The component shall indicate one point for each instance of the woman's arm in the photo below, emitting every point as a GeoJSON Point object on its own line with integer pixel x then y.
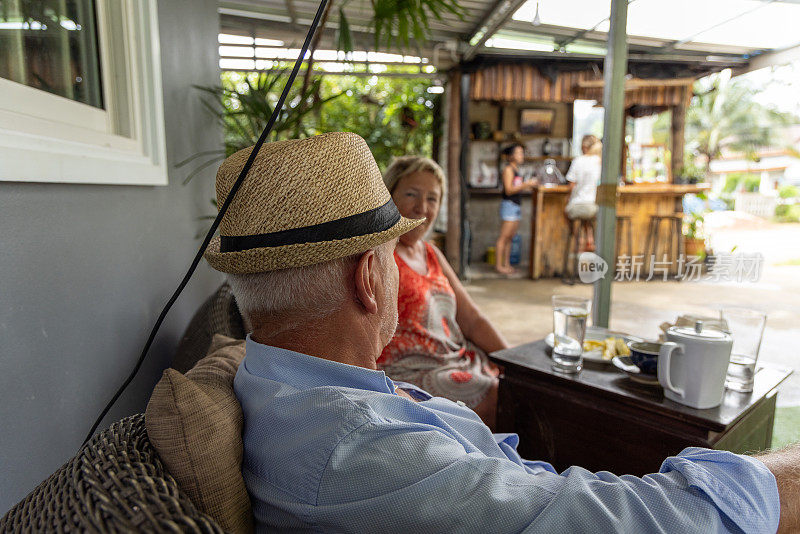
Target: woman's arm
{"type": "Point", "coordinates": [473, 323]}
{"type": "Point", "coordinates": [574, 171]}
{"type": "Point", "coordinates": [508, 182]}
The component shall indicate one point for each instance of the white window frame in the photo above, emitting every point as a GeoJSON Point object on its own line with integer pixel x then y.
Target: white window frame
{"type": "Point", "coordinates": [49, 138]}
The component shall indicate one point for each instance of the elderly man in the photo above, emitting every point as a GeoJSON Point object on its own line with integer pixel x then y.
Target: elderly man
{"type": "Point", "coordinates": [333, 445]}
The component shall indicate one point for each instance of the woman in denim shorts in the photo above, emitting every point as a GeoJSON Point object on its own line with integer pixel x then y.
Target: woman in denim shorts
{"type": "Point", "coordinates": [510, 209]}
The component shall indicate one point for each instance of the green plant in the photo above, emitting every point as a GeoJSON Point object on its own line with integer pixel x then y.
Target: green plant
{"type": "Point", "coordinates": [787, 213]}
{"type": "Point", "coordinates": [394, 115]}
{"type": "Point", "coordinates": [694, 226]}
{"type": "Point", "coordinates": [393, 21]}
{"type": "Point", "coordinates": [400, 21]}
{"type": "Point", "coordinates": [244, 103]}
{"type": "Point", "coordinates": [691, 172]}
{"type": "Point", "coordinates": [730, 202]}
{"type": "Point", "coordinates": [725, 115]}
{"type": "Point", "coordinates": [788, 191]}
{"type": "Point", "coordinates": [731, 182]}
{"type": "Point", "coordinates": [752, 184]}
{"type": "Point", "coordinates": [747, 181]}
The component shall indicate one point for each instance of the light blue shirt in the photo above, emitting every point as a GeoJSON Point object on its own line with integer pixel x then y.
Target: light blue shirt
{"type": "Point", "coordinates": [330, 447]}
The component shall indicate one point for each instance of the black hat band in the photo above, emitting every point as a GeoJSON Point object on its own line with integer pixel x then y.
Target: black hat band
{"type": "Point", "coordinates": [369, 222]}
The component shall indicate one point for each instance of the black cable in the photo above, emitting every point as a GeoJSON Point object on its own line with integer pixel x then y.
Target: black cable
{"type": "Point", "coordinates": [215, 225]}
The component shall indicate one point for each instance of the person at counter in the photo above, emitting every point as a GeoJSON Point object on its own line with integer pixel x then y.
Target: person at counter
{"type": "Point", "coordinates": [510, 210]}
{"type": "Point", "coordinates": [583, 176]}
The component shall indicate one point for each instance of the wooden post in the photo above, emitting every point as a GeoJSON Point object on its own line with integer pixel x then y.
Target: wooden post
{"type": "Point", "coordinates": [463, 254]}
{"type": "Point", "coordinates": [453, 240]}
{"type": "Point", "coordinates": [17, 67]}
{"type": "Point", "coordinates": [677, 136]}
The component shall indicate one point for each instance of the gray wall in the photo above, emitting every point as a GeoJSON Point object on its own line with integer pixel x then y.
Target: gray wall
{"type": "Point", "coordinates": [84, 271]}
{"type": "Point", "coordinates": [483, 213]}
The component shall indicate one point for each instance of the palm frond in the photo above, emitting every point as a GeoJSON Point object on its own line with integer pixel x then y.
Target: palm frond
{"type": "Point", "coordinates": [344, 39]}
{"type": "Point", "coordinates": [202, 167]}
{"type": "Point", "coordinates": [198, 155]}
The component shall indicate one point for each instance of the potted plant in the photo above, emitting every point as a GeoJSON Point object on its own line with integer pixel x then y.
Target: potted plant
{"type": "Point", "coordinates": [694, 241]}
{"type": "Point", "coordinates": [690, 173]}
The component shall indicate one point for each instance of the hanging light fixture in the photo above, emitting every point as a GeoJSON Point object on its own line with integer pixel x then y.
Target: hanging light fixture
{"type": "Point", "coordinates": [536, 20]}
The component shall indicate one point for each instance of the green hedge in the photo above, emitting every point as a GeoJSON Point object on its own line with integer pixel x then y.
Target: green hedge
{"type": "Point", "coordinates": [749, 182]}
{"type": "Point", "coordinates": [787, 213]}
{"type": "Point", "coordinates": [788, 191]}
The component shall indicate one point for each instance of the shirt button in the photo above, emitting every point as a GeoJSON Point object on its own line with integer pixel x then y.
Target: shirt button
{"type": "Point", "coordinates": [461, 403]}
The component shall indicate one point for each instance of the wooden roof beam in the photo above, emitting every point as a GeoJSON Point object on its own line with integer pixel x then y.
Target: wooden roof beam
{"type": "Point", "coordinates": [636, 83]}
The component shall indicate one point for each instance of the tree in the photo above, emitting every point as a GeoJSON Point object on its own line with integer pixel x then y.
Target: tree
{"type": "Point", "coordinates": [244, 103]}
{"type": "Point", "coordinates": [394, 115]}
{"type": "Point", "coordinates": [724, 115]}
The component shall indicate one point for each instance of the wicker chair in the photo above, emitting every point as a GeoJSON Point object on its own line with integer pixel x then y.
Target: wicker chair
{"type": "Point", "coordinates": [219, 314]}
{"type": "Point", "coordinates": [116, 483]}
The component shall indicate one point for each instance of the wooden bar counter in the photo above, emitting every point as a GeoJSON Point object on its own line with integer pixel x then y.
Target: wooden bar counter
{"type": "Point", "coordinates": [550, 226]}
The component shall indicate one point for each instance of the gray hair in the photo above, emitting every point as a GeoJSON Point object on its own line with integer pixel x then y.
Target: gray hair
{"type": "Point", "coordinates": [300, 294]}
{"type": "Point", "coordinates": [407, 165]}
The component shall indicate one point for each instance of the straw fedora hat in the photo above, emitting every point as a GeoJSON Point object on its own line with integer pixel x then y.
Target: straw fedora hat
{"type": "Point", "coordinates": [304, 201]}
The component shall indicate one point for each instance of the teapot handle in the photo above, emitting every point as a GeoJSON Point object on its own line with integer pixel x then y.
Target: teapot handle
{"type": "Point", "coordinates": [664, 357]}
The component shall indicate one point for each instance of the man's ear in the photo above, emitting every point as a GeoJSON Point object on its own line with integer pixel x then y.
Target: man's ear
{"type": "Point", "coordinates": [365, 278]}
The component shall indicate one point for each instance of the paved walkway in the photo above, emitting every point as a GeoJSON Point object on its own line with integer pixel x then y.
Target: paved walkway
{"type": "Point", "coordinates": [521, 307]}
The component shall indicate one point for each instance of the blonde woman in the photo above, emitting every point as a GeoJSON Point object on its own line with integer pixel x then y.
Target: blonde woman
{"type": "Point", "coordinates": [442, 337]}
{"type": "Point", "coordinates": [584, 175]}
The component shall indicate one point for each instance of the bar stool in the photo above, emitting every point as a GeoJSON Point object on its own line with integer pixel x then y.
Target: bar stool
{"type": "Point", "coordinates": [676, 242]}
{"type": "Point", "coordinates": [624, 227]}
{"type": "Point", "coordinates": [576, 231]}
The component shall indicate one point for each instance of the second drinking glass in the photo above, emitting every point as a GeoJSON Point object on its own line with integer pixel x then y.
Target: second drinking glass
{"type": "Point", "coordinates": [570, 315]}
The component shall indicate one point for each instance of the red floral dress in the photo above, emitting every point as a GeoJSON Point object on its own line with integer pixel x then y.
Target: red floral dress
{"type": "Point", "coordinates": [428, 348]}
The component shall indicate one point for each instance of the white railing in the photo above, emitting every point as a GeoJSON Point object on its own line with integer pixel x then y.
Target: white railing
{"type": "Point", "coordinates": [756, 204]}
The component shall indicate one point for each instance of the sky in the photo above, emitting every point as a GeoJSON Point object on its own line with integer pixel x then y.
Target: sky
{"type": "Point", "coordinates": [746, 23]}
{"type": "Point", "coordinates": [779, 86]}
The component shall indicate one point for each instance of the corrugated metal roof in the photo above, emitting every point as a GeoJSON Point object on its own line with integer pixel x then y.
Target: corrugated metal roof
{"type": "Point", "coordinates": [288, 20]}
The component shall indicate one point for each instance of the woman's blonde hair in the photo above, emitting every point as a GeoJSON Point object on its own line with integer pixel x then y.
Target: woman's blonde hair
{"type": "Point", "coordinates": [591, 145]}
{"type": "Point", "coordinates": [407, 165]}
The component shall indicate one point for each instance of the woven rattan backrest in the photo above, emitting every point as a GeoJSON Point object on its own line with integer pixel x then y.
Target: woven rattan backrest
{"type": "Point", "coordinates": [116, 483]}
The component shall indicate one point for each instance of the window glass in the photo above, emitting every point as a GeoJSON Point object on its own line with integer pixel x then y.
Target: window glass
{"type": "Point", "coordinates": [51, 45]}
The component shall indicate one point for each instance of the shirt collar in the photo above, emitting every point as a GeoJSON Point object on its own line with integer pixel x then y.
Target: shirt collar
{"type": "Point", "coordinates": [304, 372]}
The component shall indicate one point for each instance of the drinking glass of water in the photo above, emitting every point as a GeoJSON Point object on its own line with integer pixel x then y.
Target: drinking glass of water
{"type": "Point", "coordinates": [747, 327]}
{"type": "Point", "coordinates": [569, 326]}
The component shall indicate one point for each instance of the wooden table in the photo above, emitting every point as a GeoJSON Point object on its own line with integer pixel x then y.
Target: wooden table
{"type": "Point", "coordinates": [550, 229]}
{"type": "Point", "coordinates": [601, 420]}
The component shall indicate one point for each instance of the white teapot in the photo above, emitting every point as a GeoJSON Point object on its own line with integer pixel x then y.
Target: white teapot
{"type": "Point", "coordinates": [692, 365]}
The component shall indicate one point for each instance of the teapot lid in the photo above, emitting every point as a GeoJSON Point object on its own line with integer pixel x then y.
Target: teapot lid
{"type": "Point", "coordinates": [699, 332]}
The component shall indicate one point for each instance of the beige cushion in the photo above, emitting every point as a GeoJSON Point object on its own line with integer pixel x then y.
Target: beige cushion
{"type": "Point", "coordinates": [195, 424]}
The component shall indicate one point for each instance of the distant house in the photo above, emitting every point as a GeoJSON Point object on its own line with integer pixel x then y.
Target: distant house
{"type": "Point", "coordinates": [774, 166]}
{"type": "Point", "coordinates": [770, 165]}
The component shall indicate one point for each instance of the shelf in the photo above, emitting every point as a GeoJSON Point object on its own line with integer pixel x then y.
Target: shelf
{"type": "Point", "coordinates": [542, 158]}
{"type": "Point", "coordinates": [492, 191]}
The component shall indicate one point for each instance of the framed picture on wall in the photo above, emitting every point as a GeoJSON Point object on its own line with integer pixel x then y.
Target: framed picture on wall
{"type": "Point", "coordinates": [483, 161]}
{"type": "Point", "coordinates": [536, 121]}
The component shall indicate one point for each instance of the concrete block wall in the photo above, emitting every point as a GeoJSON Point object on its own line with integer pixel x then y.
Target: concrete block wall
{"type": "Point", "coordinates": [483, 214]}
